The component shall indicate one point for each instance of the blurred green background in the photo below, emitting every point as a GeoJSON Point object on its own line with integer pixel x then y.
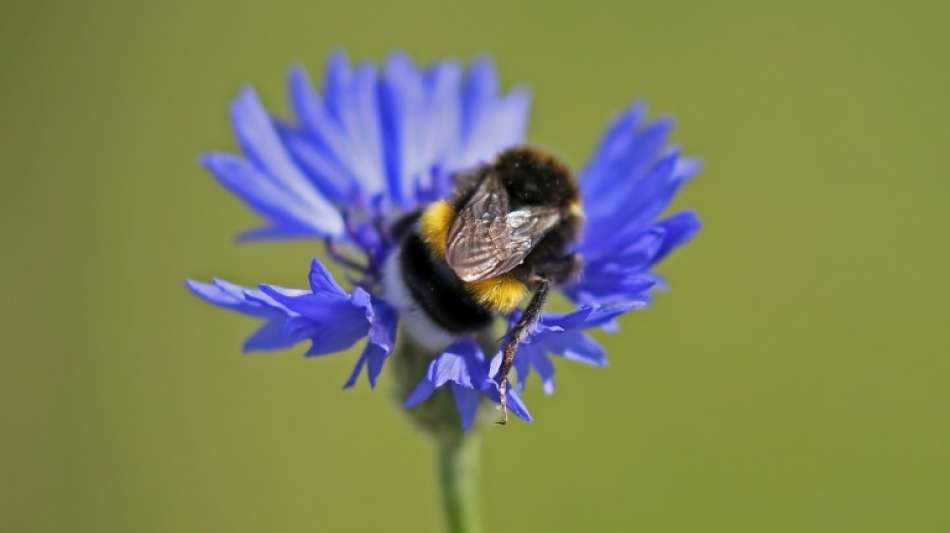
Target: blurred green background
{"type": "Point", "coordinates": [795, 379]}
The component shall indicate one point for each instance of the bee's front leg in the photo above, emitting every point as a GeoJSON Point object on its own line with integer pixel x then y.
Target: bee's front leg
{"type": "Point", "coordinates": [517, 334]}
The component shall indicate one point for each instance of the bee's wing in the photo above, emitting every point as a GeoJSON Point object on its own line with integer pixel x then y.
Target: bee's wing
{"type": "Point", "coordinates": [486, 240]}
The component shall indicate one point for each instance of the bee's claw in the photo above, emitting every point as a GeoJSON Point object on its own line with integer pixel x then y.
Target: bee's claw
{"type": "Point", "coordinates": [503, 401]}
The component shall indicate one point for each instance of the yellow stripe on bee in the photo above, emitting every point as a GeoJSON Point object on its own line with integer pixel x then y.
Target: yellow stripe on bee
{"type": "Point", "coordinates": [576, 209]}
{"type": "Point", "coordinates": [501, 293]}
{"type": "Point", "coordinates": [434, 226]}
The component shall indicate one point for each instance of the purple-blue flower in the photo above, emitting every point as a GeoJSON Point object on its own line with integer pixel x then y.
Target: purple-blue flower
{"type": "Point", "coordinates": [627, 184]}
{"type": "Point", "coordinates": [563, 335]}
{"type": "Point", "coordinates": [464, 368]}
{"type": "Point", "coordinates": [375, 143]}
{"type": "Point", "coordinates": [332, 319]}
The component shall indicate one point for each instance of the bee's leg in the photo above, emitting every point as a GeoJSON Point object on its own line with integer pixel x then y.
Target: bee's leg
{"type": "Point", "coordinates": [518, 333]}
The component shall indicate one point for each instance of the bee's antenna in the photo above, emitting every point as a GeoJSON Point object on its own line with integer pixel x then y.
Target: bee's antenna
{"type": "Point", "coordinates": [518, 333]}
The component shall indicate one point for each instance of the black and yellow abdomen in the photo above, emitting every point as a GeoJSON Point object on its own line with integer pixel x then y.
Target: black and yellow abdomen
{"type": "Point", "coordinates": [453, 304]}
{"type": "Point", "coordinates": [526, 179]}
{"type": "Point", "coordinates": [500, 294]}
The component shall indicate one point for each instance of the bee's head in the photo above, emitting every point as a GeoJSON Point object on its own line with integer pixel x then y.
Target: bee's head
{"type": "Point", "coordinates": [534, 177]}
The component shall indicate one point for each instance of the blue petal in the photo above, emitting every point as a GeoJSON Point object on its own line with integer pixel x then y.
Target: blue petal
{"type": "Point", "coordinates": [329, 339]}
{"type": "Point", "coordinates": [263, 146]}
{"type": "Point", "coordinates": [322, 168]}
{"type": "Point", "coordinates": [321, 307]}
{"type": "Point", "coordinates": [545, 369]}
{"type": "Point", "coordinates": [576, 346]}
{"type": "Point", "coordinates": [402, 109]}
{"type": "Point", "coordinates": [333, 325]}
{"type": "Point", "coordinates": [658, 188]}
{"type": "Point", "coordinates": [352, 100]}
{"type": "Point", "coordinates": [522, 363]}
{"type": "Point", "coordinates": [633, 203]}
{"type": "Point", "coordinates": [463, 366]}
{"type": "Point", "coordinates": [459, 364]}
{"type": "Point", "coordinates": [364, 124]}
{"type": "Point", "coordinates": [442, 132]}
{"type": "Point", "coordinates": [489, 124]}
{"type": "Point", "coordinates": [324, 131]}
{"type": "Point", "coordinates": [226, 296]}
{"type": "Point", "coordinates": [331, 318]}
{"type": "Point", "coordinates": [606, 283]}
{"type": "Point", "coordinates": [381, 339]}
{"type": "Point", "coordinates": [641, 248]}
{"type": "Point", "coordinates": [562, 335]}
{"type": "Point", "coordinates": [600, 246]}
{"type": "Point", "coordinates": [611, 177]}
{"type": "Point", "coordinates": [455, 364]}
{"type": "Point", "coordinates": [480, 90]}
{"type": "Point", "coordinates": [628, 182]}
{"type": "Point", "coordinates": [337, 83]}
{"type": "Point", "coordinates": [501, 126]}
{"type": "Point", "coordinates": [421, 393]}
{"type": "Point", "coordinates": [495, 364]}
{"type": "Point", "coordinates": [357, 370]}
{"type": "Point", "coordinates": [679, 228]}
{"type": "Point", "coordinates": [517, 406]}
{"type": "Point", "coordinates": [322, 282]}
{"type": "Point", "coordinates": [586, 316]}
{"type": "Point", "coordinates": [274, 233]}
{"type": "Point", "coordinates": [273, 334]}
{"type": "Point", "coordinates": [248, 301]}
{"type": "Point", "coordinates": [466, 402]}
{"type": "Point", "coordinates": [309, 109]}
{"type": "Point", "coordinates": [596, 176]}
{"type": "Point", "coordinates": [397, 135]}
{"type": "Point", "coordinates": [258, 191]}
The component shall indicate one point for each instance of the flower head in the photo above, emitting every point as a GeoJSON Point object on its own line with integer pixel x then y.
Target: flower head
{"type": "Point", "coordinates": [463, 367]}
{"type": "Point", "coordinates": [379, 143]}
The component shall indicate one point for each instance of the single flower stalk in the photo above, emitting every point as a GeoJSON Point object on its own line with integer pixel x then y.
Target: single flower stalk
{"type": "Point", "coordinates": [380, 155]}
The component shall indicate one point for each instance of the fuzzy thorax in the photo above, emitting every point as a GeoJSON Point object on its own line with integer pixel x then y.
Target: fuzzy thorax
{"type": "Point", "coordinates": [501, 293]}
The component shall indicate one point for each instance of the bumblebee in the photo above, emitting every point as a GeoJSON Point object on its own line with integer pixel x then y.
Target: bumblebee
{"type": "Point", "coordinates": [505, 231]}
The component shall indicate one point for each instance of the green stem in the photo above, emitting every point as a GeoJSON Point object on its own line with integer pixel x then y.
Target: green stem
{"type": "Point", "coordinates": [458, 468]}
{"type": "Point", "coordinates": [457, 451]}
